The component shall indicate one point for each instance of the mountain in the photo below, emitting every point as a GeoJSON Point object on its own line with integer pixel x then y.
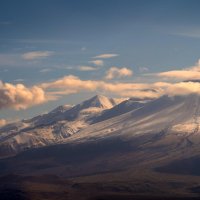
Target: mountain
{"type": "Point", "coordinates": [121, 108]}
{"type": "Point", "coordinates": [132, 150]}
{"type": "Point", "coordinates": [101, 117]}
{"type": "Point", "coordinates": [53, 127]}
{"type": "Point", "coordinates": [170, 116]}
{"type": "Point", "coordinates": [91, 106]}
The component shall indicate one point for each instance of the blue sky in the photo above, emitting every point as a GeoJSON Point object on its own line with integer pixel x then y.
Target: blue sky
{"type": "Point", "coordinates": [43, 41]}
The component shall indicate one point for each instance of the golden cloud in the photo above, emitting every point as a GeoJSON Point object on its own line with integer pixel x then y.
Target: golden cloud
{"type": "Point", "coordinates": [19, 96]}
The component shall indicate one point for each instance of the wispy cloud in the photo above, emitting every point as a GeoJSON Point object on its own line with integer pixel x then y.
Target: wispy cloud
{"type": "Point", "coordinates": [97, 62]}
{"type": "Point", "coordinates": [19, 80]}
{"type": "Point", "coordinates": [45, 70]}
{"type": "Point", "coordinates": [87, 68]}
{"type": "Point", "coordinates": [180, 74]}
{"type": "Point", "coordinates": [189, 73]}
{"type": "Point", "coordinates": [83, 48]}
{"type": "Point", "coordinates": [32, 55]}
{"type": "Point", "coordinates": [104, 56]}
{"type": "Point", "coordinates": [187, 32]}
{"type": "Point", "coordinates": [115, 72]}
{"type": "Point", "coordinates": [143, 69]}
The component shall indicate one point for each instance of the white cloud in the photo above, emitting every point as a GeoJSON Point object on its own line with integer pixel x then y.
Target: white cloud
{"type": "Point", "coordinates": [115, 72]}
{"type": "Point", "coordinates": [180, 74]}
{"type": "Point", "coordinates": [190, 73]}
{"type": "Point", "coordinates": [72, 84]}
{"type": "Point", "coordinates": [21, 97]}
{"type": "Point", "coordinates": [103, 56]}
{"type": "Point", "coordinates": [97, 62]}
{"type": "Point", "coordinates": [32, 55]}
{"type": "Point", "coordinates": [87, 68]}
{"type": "Point", "coordinates": [45, 70]}
{"type": "Point", "coordinates": [19, 80]}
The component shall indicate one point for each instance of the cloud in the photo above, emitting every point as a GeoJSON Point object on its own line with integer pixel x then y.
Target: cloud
{"type": "Point", "coordinates": [104, 56]}
{"type": "Point", "coordinates": [97, 62]}
{"type": "Point", "coordinates": [189, 73]}
{"type": "Point", "coordinates": [183, 88]}
{"type": "Point", "coordinates": [180, 74]}
{"type": "Point", "coordinates": [3, 122]}
{"type": "Point", "coordinates": [87, 68]}
{"type": "Point", "coordinates": [5, 23]}
{"type": "Point", "coordinates": [19, 96]}
{"type": "Point", "coordinates": [143, 69]}
{"type": "Point", "coordinates": [115, 72]}
{"type": "Point", "coordinates": [19, 80]}
{"type": "Point", "coordinates": [196, 67]}
{"type": "Point", "coordinates": [32, 55]}
{"type": "Point", "coordinates": [72, 84]}
{"type": "Point", "coordinates": [45, 70]}
{"type": "Point", "coordinates": [83, 48]}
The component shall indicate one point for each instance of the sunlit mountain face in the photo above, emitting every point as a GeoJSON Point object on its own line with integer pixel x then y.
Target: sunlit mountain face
{"type": "Point", "coordinates": [99, 100]}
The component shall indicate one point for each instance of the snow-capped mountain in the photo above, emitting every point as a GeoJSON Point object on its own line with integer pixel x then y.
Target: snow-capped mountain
{"type": "Point", "coordinates": [101, 117]}
{"type": "Point", "coordinates": [169, 116]}
{"type": "Point", "coordinates": [136, 140]}
{"type": "Point", "coordinates": [54, 126]}
{"type": "Point", "coordinates": [121, 108]}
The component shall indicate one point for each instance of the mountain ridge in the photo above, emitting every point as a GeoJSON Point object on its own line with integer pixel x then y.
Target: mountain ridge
{"type": "Point", "coordinates": [99, 118]}
{"type": "Point", "coordinates": [53, 127]}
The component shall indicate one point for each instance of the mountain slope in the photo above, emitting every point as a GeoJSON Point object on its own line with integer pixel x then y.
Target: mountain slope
{"type": "Point", "coordinates": [52, 127]}
{"type": "Point", "coordinates": [92, 120]}
{"type": "Point", "coordinates": [168, 114]}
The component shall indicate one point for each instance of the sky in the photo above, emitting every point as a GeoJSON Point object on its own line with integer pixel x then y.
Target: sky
{"type": "Point", "coordinates": [55, 52]}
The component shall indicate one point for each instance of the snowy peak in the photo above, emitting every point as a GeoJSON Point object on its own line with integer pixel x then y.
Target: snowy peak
{"type": "Point", "coordinates": [100, 101]}
{"type": "Point", "coordinates": [89, 108]}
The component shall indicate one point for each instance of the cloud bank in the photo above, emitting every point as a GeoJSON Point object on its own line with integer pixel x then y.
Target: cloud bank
{"type": "Point", "coordinates": [19, 96]}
